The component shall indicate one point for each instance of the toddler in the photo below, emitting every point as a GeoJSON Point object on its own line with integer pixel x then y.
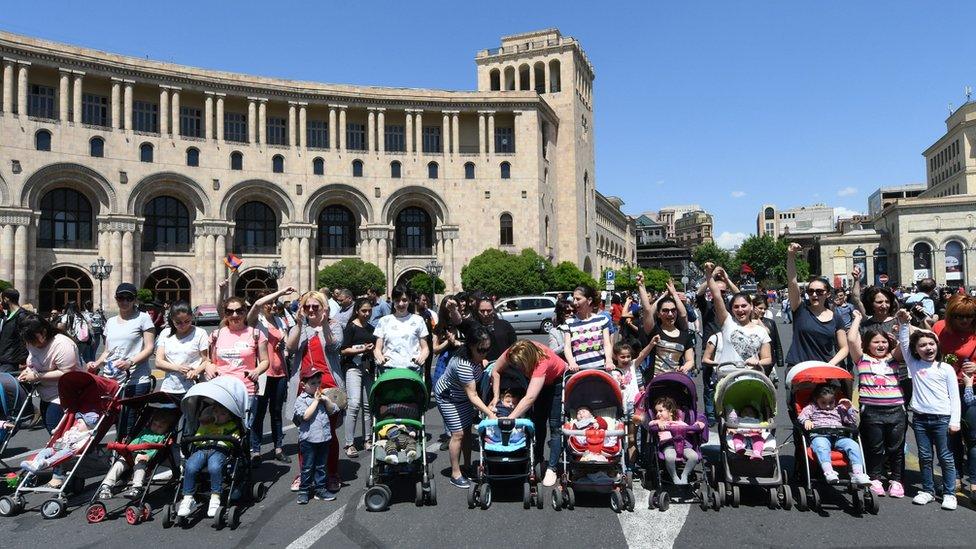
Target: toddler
{"type": "Point", "coordinates": [69, 442]}
{"type": "Point", "coordinates": [508, 401]}
{"type": "Point", "coordinates": [824, 412]}
{"type": "Point", "coordinates": [396, 437]}
{"type": "Point", "coordinates": [160, 424]}
{"type": "Point", "coordinates": [312, 409]}
{"type": "Point", "coordinates": [215, 420]}
{"type": "Point", "coordinates": [594, 444]}
{"type": "Point", "coordinates": [672, 433]}
{"type": "Point", "coordinates": [744, 433]}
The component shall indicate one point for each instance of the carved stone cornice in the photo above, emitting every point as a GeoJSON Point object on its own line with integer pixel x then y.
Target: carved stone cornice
{"type": "Point", "coordinates": [375, 232]}
{"type": "Point", "coordinates": [10, 216]}
{"type": "Point", "coordinates": [211, 228]}
{"type": "Point", "coordinates": [122, 223]}
{"type": "Point", "coordinates": [449, 232]}
{"type": "Point", "coordinates": [298, 230]}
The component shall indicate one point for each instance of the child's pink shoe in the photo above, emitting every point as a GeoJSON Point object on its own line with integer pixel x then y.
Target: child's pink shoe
{"type": "Point", "coordinates": [877, 488]}
{"type": "Point", "coordinates": [896, 490]}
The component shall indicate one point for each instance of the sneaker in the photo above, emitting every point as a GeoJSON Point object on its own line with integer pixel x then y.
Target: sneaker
{"type": "Point", "coordinates": [411, 455]}
{"type": "Point", "coordinates": [187, 506]}
{"type": "Point", "coordinates": [861, 479]}
{"type": "Point", "coordinates": [877, 488]}
{"type": "Point", "coordinates": [896, 490]}
{"type": "Point", "coordinates": [303, 498]}
{"type": "Point", "coordinates": [550, 478]}
{"type": "Point", "coordinates": [281, 457]}
{"type": "Point", "coordinates": [104, 492]}
{"type": "Point", "coordinates": [392, 459]}
{"type": "Point", "coordinates": [214, 504]}
{"type": "Point", "coordinates": [135, 492]}
{"type": "Point", "coordinates": [922, 498]}
{"type": "Point", "coordinates": [295, 484]}
{"type": "Point", "coordinates": [351, 452]}
{"type": "Point", "coordinates": [325, 495]}
{"type": "Point", "coordinates": [55, 483]}
{"type": "Point", "coordinates": [445, 444]}
{"type": "Point", "coordinates": [949, 503]}
{"type": "Point", "coordinates": [461, 482]}
{"type": "Point", "coordinates": [333, 484]}
{"type": "Point", "coordinates": [831, 477]}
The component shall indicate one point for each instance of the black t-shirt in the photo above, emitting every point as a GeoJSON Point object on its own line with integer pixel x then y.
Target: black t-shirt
{"type": "Point", "coordinates": [668, 356]}
{"type": "Point", "coordinates": [709, 326]}
{"type": "Point", "coordinates": [12, 347]}
{"type": "Point", "coordinates": [357, 335]}
{"type": "Point", "coordinates": [502, 335]}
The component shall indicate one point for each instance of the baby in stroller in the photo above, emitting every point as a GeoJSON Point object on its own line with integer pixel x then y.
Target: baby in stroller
{"type": "Point", "coordinates": [508, 401]}
{"type": "Point", "coordinates": [67, 444]}
{"type": "Point", "coordinates": [160, 424]}
{"type": "Point", "coordinates": [215, 420]}
{"type": "Point", "coordinates": [672, 432]}
{"type": "Point", "coordinates": [824, 412]}
{"type": "Point", "coordinates": [594, 444]}
{"type": "Point", "coordinates": [396, 437]}
{"type": "Point", "coordinates": [749, 431]}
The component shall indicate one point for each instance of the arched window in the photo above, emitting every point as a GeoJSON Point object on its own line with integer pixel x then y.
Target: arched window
{"type": "Point", "coordinates": [524, 82]}
{"type": "Point", "coordinates": [42, 140]}
{"type": "Point", "coordinates": [860, 260]}
{"type": "Point", "coordinates": [278, 164]}
{"type": "Point", "coordinates": [357, 168]}
{"type": "Point", "coordinates": [61, 285]}
{"type": "Point", "coordinates": [955, 262]}
{"type": "Point", "coordinates": [168, 285]}
{"type": "Point", "coordinates": [555, 81]}
{"type": "Point", "coordinates": [236, 160]}
{"type": "Point", "coordinates": [395, 169]}
{"type": "Point", "coordinates": [146, 152]}
{"type": "Point", "coordinates": [769, 213]}
{"type": "Point", "coordinates": [540, 77]}
{"type": "Point", "coordinates": [96, 147]}
{"type": "Point", "coordinates": [469, 170]}
{"type": "Point", "coordinates": [192, 157]}
{"type": "Point", "coordinates": [318, 166]}
{"type": "Point", "coordinates": [880, 265]}
{"type": "Point", "coordinates": [432, 170]}
{"type": "Point", "coordinates": [253, 283]}
{"type": "Point", "coordinates": [547, 231]}
{"type": "Point", "coordinates": [167, 226]}
{"type": "Point", "coordinates": [507, 235]}
{"type": "Point", "coordinates": [922, 261]}
{"type": "Point", "coordinates": [506, 170]}
{"type": "Point", "coordinates": [414, 232]}
{"type": "Point", "coordinates": [66, 220]}
{"type": "Point", "coordinates": [495, 79]}
{"type": "Point", "coordinates": [255, 229]}
{"type": "Point", "coordinates": [337, 231]}
{"type": "Point", "coordinates": [510, 78]}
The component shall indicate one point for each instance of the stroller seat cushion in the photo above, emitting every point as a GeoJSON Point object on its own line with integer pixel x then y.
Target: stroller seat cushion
{"type": "Point", "coordinates": [837, 459]}
{"type": "Point", "coordinates": [506, 449]}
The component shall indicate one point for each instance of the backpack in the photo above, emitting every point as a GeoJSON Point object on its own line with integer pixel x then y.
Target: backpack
{"type": "Point", "coordinates": [77, 329]}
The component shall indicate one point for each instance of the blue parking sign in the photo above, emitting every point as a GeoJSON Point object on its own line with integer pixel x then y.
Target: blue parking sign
{"type": "Point", "coordinates": [611, 275]}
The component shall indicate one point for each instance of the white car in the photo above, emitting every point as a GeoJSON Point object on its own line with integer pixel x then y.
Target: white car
{"type": "Point", "coordinates": [528, 313]}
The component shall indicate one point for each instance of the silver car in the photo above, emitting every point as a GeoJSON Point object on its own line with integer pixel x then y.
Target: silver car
{"type": "Point", "coordinates": [528, 313]}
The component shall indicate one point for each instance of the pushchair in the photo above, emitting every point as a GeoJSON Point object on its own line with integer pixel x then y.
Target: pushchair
{"type": "Point", "coordinates": [398, 397]}
{"type": "Point", "coordinates": [13, 403]}
{"type": "Point", "coordinates": [749, 466]}
{"type": "Point", "coordinates": [800, 383]}
{"type": "Point", "coordinates": [681, 389]}
{"type": "Point", "coordinates": [511, 459]}
{"type": "Point", "coordinates": [143, 407]}
{"type": "Point", "coordinates": [80, 393]}
{"type": "Point", "coordinates": [230, 393]}
{"type": "Point", "coordinates": [605, 439]}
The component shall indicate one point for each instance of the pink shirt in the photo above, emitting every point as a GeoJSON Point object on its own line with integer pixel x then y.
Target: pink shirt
{"type": "Point", "coordinates": [60, 354]}
{"type": "Point", "coordinates": [235, 352]}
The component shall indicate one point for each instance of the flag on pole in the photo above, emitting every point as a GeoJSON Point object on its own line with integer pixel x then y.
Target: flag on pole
{"type": "Point", "coordinates": [746, 269]}
{"type": "Point", "coordinates": [233, 262]}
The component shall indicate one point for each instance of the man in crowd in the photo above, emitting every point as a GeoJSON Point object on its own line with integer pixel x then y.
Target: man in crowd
{"type": "Point", "coordinates": [344, 300]}
{"type": "Point", "coordinates": [843, 308]}
{"type": "Point", "coordinates": [921, 304]}
{"type": "Point", "coordinates": [502, 333]}
{"type": "Point", "coordinates": [380, 306]}
{"type": "Point", "coordinates": [709, 327]}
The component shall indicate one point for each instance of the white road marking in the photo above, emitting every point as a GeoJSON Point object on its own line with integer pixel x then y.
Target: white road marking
{"type": "Point", "coordinates": [318, 531]}
{"type": "Point", "coordinates": [646, 528]}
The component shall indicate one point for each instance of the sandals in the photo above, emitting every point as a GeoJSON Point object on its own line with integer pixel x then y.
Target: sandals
{"type": "Point", "coordinates": [280, 456]}
{"type": "Point", "coordinates": [351, 452]}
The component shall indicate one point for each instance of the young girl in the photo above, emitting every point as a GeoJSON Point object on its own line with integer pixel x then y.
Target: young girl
{"type": "Point", "coordinates": [935, 408]}
{"type": "Point", "coordinates": [883, 417]}
{"type": "Point", "coordinates": [630, 382]}
{"type": "Point", "coordinates": [748, 431]}
{"type": "Point", "coordinates": [215, 420]}
{"type": "Point", "coordinates": [825, 412]}
{"type": "Point", "coordinates": [673, 435]}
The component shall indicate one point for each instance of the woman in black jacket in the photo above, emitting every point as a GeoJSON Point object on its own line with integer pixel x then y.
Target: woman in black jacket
{"type": "Point", "coordinates": [760, 304]}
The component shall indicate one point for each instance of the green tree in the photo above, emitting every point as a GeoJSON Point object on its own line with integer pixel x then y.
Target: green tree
{"type": "Point", "coordinates": [567, 276]}
{"type": "Point", "coordinates": [625, 280]}
{"type": "Point", "coordinates": [499, 273]}
{"type": "Point", "coordinates": [4, 285]}
{"type": "Point", "coordinates": [656, 279]}
{"type": "Point", "coordinates": [766, 257]}
{"type": "Point", "coordinates": [423, 283]}
{"type": "Point", "coordinates": [710, 251]}
{"type": "Point", "coordinates": [144, 295]}
{"type": "Point", "coordinates": [352, 273]}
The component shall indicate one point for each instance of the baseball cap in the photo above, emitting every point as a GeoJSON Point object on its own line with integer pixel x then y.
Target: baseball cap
{"type": "Point", "coordinates": [126, 288]}
{"type": "Point", "coordinates": [313, 374]}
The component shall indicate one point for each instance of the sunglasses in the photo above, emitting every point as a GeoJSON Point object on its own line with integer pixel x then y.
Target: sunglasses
{"type": "Point", "coordinates": [125, 297]}
{"type": "Point", "coordinates": [232, 312]}
{"type": "Point", "coordinates": [311, 307]}
{"type": "Point", "coordinates": [668, 311]}
{"type": "Point", "coordinates": [815, 291]}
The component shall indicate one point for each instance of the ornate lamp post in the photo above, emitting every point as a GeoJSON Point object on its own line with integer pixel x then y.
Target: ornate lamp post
{"type": "Point", "coordinates": [276, 270]}
{"type": "Point", "coordinates": [100, 270]}
{"type": "Point", "coordinates": [433, 269]}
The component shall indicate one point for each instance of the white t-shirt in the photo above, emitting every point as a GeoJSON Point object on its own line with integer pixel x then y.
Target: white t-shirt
{"type": "Point", "coordinates": [741, 342]}
{"type": "Point", "coordinates": [401, 337]}
{"type": "Point", "coordinates": [182, 351]}
{"type": "Point", "coordinates": [123, 339]}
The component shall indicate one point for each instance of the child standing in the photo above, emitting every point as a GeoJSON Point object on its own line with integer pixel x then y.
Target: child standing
{"type": "Point", "coordinates": [312, 409]}
{"type": "Point", "coordinates": [215, 420]}
{"type": "Point", "coordinates": [935, 408]}
{"type": "Point", "coordinates": [626, 374]}
{"type": "Point", "coordinates": [825, 412]}
{"type": "Point", "coordinates": [160, 424]}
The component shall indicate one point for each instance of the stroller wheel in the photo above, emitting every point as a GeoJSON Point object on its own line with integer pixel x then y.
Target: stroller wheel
{"type": "Point", "coordinates": [419, 494]}
{"type": "Point", "coordinates": [540, 502]}
{"type": "Point", "coordinates": [570, 500]}
{"type": "Point", "coordinates": [168, 516]}
{"type": "Point", "coordinates": [431, 492]}
{"type": "Point", "coordinates": [773, 498]}
{"type": "Point", "coordinates": [703, 499]}
{"type": "Point", "coordinates": [801, 499]}
{"type": "Point", "coordinates": [133, 515]}
{"type": "Point", "coordinates": [716, 500]}
{"type": "Point", "coordinates": [96, 513]}
{"type": "Point", "coordinates": [377, 498]}
{"type": "Point", "coordinates": [473, 497]}
{"type": "Point", "coordinates": [858, 499]}
{"type": "Point", "coordinates": [722, 494]}
{"type": "Point", "coordinates": [218, 518]}
{"type": "Point", "coordinates": [631, 500]}
{"type": "Point", "coordinates": [814, 499]}
{"type": "Point", "coordinates": [10, 506]}
{"type": "Point", "coordinates": [526, 496]}
{"type": "Point", "coordinates": [234, 513]}
{"type": "Point", "coordinates": [557, 499]}
{"type": "Point", "coordinates": [486, 496]}
{"type": "Point", "coordinates": [53, 508]}
{"type": "Point", "coordinates": [616, 501]}
{"type": "Point", "coordinates": [735, 496]}
{"type": "Point", "coordinates": [873, 503]}
{"type": "Point", "coordinates": [258, 491]}
{"type": "Point", "coordinates": [146, 511]}
{"type": "Point", "coordinates": [785, 497]}
{"type": "Point", "coordinates": [663, 501]}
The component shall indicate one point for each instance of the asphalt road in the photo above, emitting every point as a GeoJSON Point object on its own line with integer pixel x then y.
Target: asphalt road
{"type": "Point", "coordinates": [278, 521]}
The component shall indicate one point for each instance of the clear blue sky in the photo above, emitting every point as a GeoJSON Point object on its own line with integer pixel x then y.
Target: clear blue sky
{"type": "Point", "coordinates": [744, 102]}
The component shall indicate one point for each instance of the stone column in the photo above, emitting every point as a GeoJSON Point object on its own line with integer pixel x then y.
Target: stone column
{"type": "Point", "coordinates": [63, 94]}
{"type": "Point", "coordinates": [20, 249]}
{"type": "Point", "coordinates": [455, 134]}
{"type": "Point", "coordinates": [371, 131]}
{"type": "Point", "coordinates": [446, 137]}
{"type": "Point", "coordinates": [252, 134]}
{"type": "Point", "coordinates": [197, 285]}
{"type": "Point", "coordinates": [263, 121]}
{"type": "Point", "coordinates": [303, 124]}
{"type": "Point", "coordinates": [209, 271]}
{"type": "Point", "coordinates": [104, 245]}
{"type": "Point", "coordinates": [451, 264]}
{"type": "Point", "coordinates": [333, 140]}
{"type": "Point", "coordinates": [381, 130]}
{"type": "Point", "coordinates": [76, 98]}
{"type": "Point", "coordinates": [548, 83]}
{"type": "Point", "coordinates": [491, 132]}
{"type": "Point", "coordinates": [220, 122]}
{"type": "Point", "coordinates": [304, 264]}
{"type": "Point", "coordinates": [408, 131]}
{"type": "Point", "coordinates": [8, 86]}
{"type": "Point", "coordinates": [419, 132]}
{"type": "Point", "coordinates": [208, 117]}
{"type": "Point", "coordinates": [22, 89]}
{"type": "Point", "coordinates": [531, 78]}
{"type": "Point", "coordinates": [127, 101]}
{"type": "Point", "coordinates": [174, 118]}
{"type": "Point", "coordinates": [127, 266]}
{"type": "Point", "coordinates": [287, 260]}
{"type": "Point", "coordinates": [481, 133]}
{"type": "Point", "coordinates": [7, 252]}
{"type": "Point", "coordinates": [220, 270]}
{"type": "Point", "coordinates": [115, 258]}
{"type": "Point", "coordinates": [342, 129]}
{"type": "Point", "coordinates": [291, 125]}
{"type": "Point", "coordinates": [163, 111]}
{"type": "Point", "coordinates": [116, 103]}
{"type": "Point", "coordinates": [381, 254]}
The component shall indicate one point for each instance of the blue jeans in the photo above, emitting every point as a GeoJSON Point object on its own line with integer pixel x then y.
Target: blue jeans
{"type": "Point", "coordinates": [822, 445]}
{"type": "Point", "coordinates": [214, 461]}
{"type": "Point", "coordinates": [127, 418]}
{"type": "Point", "coordinates": [314, 458]}
{"type": "Point", "coordinates": [934, 429]}
{"type": "Point", "coordinates": [708, 380]}
{"type": "Point", "coordinates": [275, 395]}
{"type": "Point", "coordinates": [547, 410]}
{"type": "Point", "coordinates": [52, 414]}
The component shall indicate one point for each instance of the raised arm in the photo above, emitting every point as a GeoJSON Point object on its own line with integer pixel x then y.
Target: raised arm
{"type": "Point", "coordinates": [252, 315]}
{"type": "Point", "coordinates": [854, 337]}
{"type": "Point", "coordinates": [792, 285]}
{"type": "Point", "coordinates": [645, 303]}
{"type": "Point", "coordinates": [721, 313]}
{"type": "Point", "coordinates": [856, 291]}
{"type": "Point", "coordinates": [682, 320]}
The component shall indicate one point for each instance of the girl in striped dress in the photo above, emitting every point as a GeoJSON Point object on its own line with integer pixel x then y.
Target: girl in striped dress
{"type": "Point", "coordinates": [587, 340]}
{"type": "Point", "coordinates": [882, 403]}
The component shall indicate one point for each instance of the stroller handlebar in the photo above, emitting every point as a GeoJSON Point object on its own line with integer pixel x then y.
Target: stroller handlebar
{"type": "Point", "coordinates": [582, 432]}
{"type": "Point", "coordinates": [507, 424]}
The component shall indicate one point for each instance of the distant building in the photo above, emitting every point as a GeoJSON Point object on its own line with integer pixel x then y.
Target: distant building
{"type": "Point", "coordinates": [668, 215]}
{"type": "Point", "coordinates": [693, 229]}
{"type": "Point", "coordinates": [804, 220]}
{"type": "Point", "coordinates": [885, 196]}
{"type": "Point", "coordinates": [666, 256]}
{"type": "Point", "coordinates": [616, 239]}
{"type": "Point", "coordinates": [649, 231]}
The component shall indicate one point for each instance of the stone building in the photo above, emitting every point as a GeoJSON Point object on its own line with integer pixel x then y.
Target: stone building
{"type": "Point", "coordinates": [803, 220]}
{"type": "Point", "coordinates": [163, 169]}
{"type": "Point", "coordinates": [693, 229]}
{"type": "Point", "coordinates": [615, 235]}
{"type": "Point", "coordinates": [668, 215]}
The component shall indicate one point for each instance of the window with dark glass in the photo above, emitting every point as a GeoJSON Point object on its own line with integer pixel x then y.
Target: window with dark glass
{"type": "Point", "coordinates": [66, 220]}
{"type": "Point", "coordinates": [355, 136]}
{"type": "Point", "coordinates": [145, 152]}
{"type": "Point", "coordinates": [394, 139]}
{"type": "Point", "coordinates": [318, 166]}
{"type": "Point", "coordinates": [357, 168]}
{"type": "Point", "coordinates": [236, 161]}
{"type": "Point", "coordinates": [507, 236]}
{"type": "Point", "coordinates": [504, 140]}
{"type": "Point", "coordinates": [431, 138]}
{"type": "Point", "coordinates": [395, 170]}
{"type": "Point", "coordinates": [506, 170]}
{"type": "Point", "coordinates": [317, 134]}
{"type": "Point", "coordinates": [145, 116]}
{"type": "Point", "coordinates": [337, 231]}
{"type": "Point", "coordinates": [191, 122]}
{"type": "Point", "coordinates": [469, 170]}
{"type": "Point", "coordinates": [96, 147]}
{"type": "Point", "coordinates": [235, 127]}
{"type": "Point", "coordinates": [192, 157]}
{"type": "Point", "coordinates": [42, 140]}
{"type": "Point", "coordinates": [40, 101]}
{"type": "Point", "coordinates": [432, 170]}
{"type": "Point", "coordinates": [414, 232]}
{"type": "Point", "coordinates": [277, 130]}
{"type": "Point", "coordinates": [167, 226]}
{"type": "Point", "coordinates": [278, 164]}
{"type": "Point", "coordinates": [255, 229]}
{"type": "Point", "coordinates": [94, 109]}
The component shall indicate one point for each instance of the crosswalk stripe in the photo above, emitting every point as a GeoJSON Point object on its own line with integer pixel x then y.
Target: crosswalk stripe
{"type": "Point", "coordinates": [650, 528]}
{"type": "Point", "coordinates": [318, 531]}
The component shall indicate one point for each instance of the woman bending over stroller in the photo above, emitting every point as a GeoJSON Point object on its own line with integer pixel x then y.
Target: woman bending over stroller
{"type": "Point", "coordinates": [672, 433]}
{"type": "Point", "coordinates": [824, 412]}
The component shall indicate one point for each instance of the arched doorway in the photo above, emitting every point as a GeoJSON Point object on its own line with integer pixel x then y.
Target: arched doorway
{"type": "Point", "coordinates": [407, 276]}
{"type": "Point", "coordinates": [253, 282]}
{"type": "Point", "coordinates": [588, 266]}
{"type": "Point", "coordinates": [168, 285]}
{"type": "Point", "coordinates": [921, 261]}
{"type": "Point", "coordinates": [61, 285]}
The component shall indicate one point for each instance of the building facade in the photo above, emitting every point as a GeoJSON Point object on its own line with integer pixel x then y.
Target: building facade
{"type": "Point", "coordinates": [693, 229]}
{"type": "Point", "coordinates": [649, 231]}
{"type": "Point", "coordinates": [886, 196]}
{"type": "Point", "coordinates": [163, 169]}
{"type": "Point", "coordinates": [809, 220]}
{"type": "Point", "coordinates": [615, 234]}
{"type": "Point", "coordinates": [668, 215]}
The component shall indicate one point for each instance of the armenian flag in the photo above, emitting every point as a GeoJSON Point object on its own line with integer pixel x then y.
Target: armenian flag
{"type": "Point", "coordinates": [233, 262]}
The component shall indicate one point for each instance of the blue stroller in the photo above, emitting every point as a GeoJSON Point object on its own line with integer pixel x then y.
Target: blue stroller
{"type": "Point", "coordinates": [13, 403]}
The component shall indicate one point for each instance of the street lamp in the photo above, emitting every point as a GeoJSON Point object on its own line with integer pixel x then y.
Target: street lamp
{"type": "Point", "coordinates": [100, 271]}
{"type": "Point", "coordinates": [276, 270]}
{"type": "Point", "coordinates": [433, 268]}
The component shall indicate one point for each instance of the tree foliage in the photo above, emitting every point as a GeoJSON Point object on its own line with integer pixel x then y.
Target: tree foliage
{"type": "Point", "coordinates": [710, 251]}
{"type": "Point", "coordinates": [626, 278]}
{"type": "Point", "coordinates": [567, 276]}
{"type": "Point", "coordinates": [423, 283]}
{"type": "Point", "coordinates": [4, 285]}
{"type": "Point", "coordinates": [495, 272]}
{"type": "Point", "coordinates": [656, 279]}
{"type": "Point", "coordinates": [353, 274]}
{"type": "Point", "coordinates": [766, 256]}
{"type": "Point", "coordinates": [144, 295]}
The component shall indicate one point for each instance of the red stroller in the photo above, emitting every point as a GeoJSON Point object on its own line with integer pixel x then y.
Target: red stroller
{"type": "Point", "coordinates": [80, 392]}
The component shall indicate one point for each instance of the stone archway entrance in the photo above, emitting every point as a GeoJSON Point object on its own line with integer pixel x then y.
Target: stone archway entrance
{"type": "Point", "coordinates": [168, 286]}
{"type": "Point", "coordinates": [61, 285]}
{"type": "Point", "coordinates": [251, 283]}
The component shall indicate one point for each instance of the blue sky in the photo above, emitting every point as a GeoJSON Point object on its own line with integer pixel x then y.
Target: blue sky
{"type": "Point", "coordinates": [725, 104]}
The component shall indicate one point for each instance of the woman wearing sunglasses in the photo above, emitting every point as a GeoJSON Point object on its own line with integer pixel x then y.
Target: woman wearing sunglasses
{"type": "Point", "coordinates": [743, 342]}
{"type": "Point", "coordinates": [818, 333]}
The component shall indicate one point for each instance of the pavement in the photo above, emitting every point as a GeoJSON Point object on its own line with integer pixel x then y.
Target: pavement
{"type": "Point", "coordinates": [278, 521]}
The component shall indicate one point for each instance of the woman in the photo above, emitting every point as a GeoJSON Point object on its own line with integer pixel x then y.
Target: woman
{"type": "Point", "coordinates": [667, 323]}
{"type": "Point", "coordinates": [544, 396]}
{"type": "Point", "coordinates": [401, 338]}
{"type": "Point", "coordinates": [760, 306]}
{"type": "Point", "coordinates": [183, 350]}
{"type": "Point", "coordinates": [818, 333]}
{"type": "Point", "coordinates": [240, 351]}
{"type": "Point", "coordinates": [457, 397]}
{"type": "Point", "coordinates": [558, 330]}
{"type": "Point", "coordinates": [314, 343]}
{"type": "Point", "coordinates": [263, 318]}
{"type": "Point", "coordinates": [97, 322]}
{"type": "Point", "coordinates": [742, 341]}
{"type": "Point", "coordinates": [877, 304]}
{"type": "Point", "coordinates": [587, 341]}
{"type": "Point", "coordinates": [130, 338]}
{"type": "Point", "coordinates": [76, 326]}
{"type": "Point", "coordinates": [357, 360]}
{"type": "Point", "coordinates": [49, 355]}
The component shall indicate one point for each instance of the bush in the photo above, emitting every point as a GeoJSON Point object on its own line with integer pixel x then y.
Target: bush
{"type": "Point", "coordinates": [567, 276]}
{"type": "Point", "coordinates": [144, 295]}
{"type": "Point", "coordinates": [352, 273]}
{"type": "Point", "coordinates": [495, 272]}
{"type": "Point", "coordinates": [424, 284]}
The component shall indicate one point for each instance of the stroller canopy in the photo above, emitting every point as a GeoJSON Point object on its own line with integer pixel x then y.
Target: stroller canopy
{"type": "Point", "coordinates": [746, 388]}
{"type": "Point", "coordinates": [84, 392]}
{"type": "Point", "coordinates": [398, 385]}
{"type": "Point", "coordinates": [805, 376]}
{"type": "Point", "coordinates": [594, 389]}
{"type": "Point", "coordinates": [228, 391]}
{"type": "Point", "coordinates": [12, 395]}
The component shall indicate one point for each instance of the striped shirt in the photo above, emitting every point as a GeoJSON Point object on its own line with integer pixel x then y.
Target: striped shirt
{"type": "Point", "coordinates": [877, 383]}
{"type": "Point", "coordinates": [586, 340]}
{"type": "Point", "coordinates": [460, 372]}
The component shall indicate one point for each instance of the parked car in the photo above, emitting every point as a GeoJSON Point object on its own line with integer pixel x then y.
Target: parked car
{"type": "Point", "coordinates": [528, 313]}
{"type": "Point", "coordinates": [566, 295]}
{"type": "Point", "coordinates": [206, 315]}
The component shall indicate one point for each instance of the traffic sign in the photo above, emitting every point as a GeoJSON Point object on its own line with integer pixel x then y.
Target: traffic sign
{"type": "Point", "coordinates": [883, 278]}
{"type": "Point", "coordinates": [611, 276]}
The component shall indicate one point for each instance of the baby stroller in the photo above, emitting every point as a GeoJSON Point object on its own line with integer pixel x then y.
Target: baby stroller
{"type": "Point", "coordinates": [598, 391]}
{"type": "Point", "coordinates": [398, 397]}
{"type": "Point", "coordinates": [800, 383]}
{"type": "Point", "coordinates": [79, 392]}
{"type": "Point", "coordinates": [13, 403]}
{"type": "Point", "coordinates": [506, 460]}
{"type": "Point", "coordinates": [143, 407]}
{"type": "Point", "coordinates": [681, 388]}
{"type": "Point", "coordinates": [230, 393]}
{"type": "Point", "coordinates": [749, 467]}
